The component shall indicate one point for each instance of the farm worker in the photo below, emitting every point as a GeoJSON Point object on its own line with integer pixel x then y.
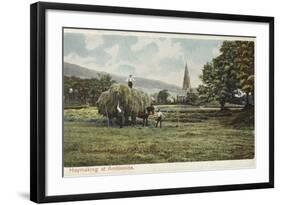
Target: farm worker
{"type": "Point", "coordinates": [130, 81]}
{"type": "Point", "coordinates": [159, 118]}
{"type": "Point", "coordinates": [120, 115]}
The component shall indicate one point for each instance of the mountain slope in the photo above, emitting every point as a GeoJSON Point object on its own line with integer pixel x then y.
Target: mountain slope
{"type": "Point", "coordinates": [147, 85]}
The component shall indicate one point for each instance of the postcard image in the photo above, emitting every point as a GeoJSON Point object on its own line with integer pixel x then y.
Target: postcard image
{"type": "Point", "coordinates": [140, 102]}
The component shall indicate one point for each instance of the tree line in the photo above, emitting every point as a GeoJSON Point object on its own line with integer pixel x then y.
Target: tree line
{"type": "Point", "coordinates": [229, 74]}
{"type": "Point", "coordinates": [78, 91]}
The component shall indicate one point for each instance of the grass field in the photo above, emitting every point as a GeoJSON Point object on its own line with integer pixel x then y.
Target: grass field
{"type": "Point", "coordinates": [188, 134]}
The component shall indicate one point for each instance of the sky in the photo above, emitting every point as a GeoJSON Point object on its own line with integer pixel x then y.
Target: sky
{"type": "Point", "coordinates": [158, 56]}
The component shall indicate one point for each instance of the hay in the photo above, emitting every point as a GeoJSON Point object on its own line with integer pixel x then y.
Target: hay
{"type": "Point", "coordinates": [132, 100]}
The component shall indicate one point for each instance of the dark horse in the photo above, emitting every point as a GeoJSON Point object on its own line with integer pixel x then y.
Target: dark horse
{"type": "Point", "coordinates": [122, 117]}
{"type": "Point", "coordinates": [144, 115]}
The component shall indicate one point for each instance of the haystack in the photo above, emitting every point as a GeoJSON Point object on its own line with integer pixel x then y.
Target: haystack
{"type": "Point", "coordinates": [131, 100]}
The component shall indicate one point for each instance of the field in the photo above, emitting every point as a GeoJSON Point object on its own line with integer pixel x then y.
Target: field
{"type": "Point", "coordinates": [188, 134]}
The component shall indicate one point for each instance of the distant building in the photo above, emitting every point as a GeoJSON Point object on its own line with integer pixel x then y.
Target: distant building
{"type": "Point", "coordinates": [186, 87]}
{"type": "Point", "coordinates": [186, 80]}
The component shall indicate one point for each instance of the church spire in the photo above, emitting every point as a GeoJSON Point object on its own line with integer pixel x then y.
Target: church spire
{"type": "Point", "coordinates": [186, 80]}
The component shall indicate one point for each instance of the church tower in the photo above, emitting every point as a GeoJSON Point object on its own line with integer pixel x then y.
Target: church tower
{"type": "Point", "coordinates": [186, 80]}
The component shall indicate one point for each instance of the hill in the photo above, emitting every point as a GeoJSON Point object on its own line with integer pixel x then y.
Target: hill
{"type": "Point", "coordinates": [147, 85]}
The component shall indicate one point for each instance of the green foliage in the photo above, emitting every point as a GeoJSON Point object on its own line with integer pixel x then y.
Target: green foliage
{"type": "Point", "coordinates": [245, 64]}
{"type": "Point", "coordinates": [233, 69]}
{"type": "Point", "coordinates": [131, 100]}
{"type": "Point", "coordinates": [162, 96]}
{"type": "Point", "coordinates": [192, 98]}
{"type": "Point", "coordinates": [78, 91]}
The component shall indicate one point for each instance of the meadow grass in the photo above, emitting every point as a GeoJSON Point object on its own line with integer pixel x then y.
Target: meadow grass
{"type": "Point", "coordinates": [87, 143]}
{"type": "Point", "coordinates": [83, 114]}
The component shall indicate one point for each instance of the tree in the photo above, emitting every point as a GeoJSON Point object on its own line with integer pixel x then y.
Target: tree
{"type": "Point", "coordinates": [219, 77]}
{"type": "Point", "coordinates": [163, 96]}
{"type": "Point", "coordinates": [105, 81]}
{"type": "Point", "coordinates": [94, 91]}
{"type": "Point", "coordinates": [84, 91]}
{"type": "Point", "coordinates": [245, 64]}
{"type": "Point", "coordinates": [192, 98]}
{"type": "Point", "coordinates": [99, 85]}
{"type": "Point", "coordinates": [232, 70]}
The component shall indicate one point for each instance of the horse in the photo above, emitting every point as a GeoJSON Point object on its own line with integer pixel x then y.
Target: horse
{"type": "Point", "coordinates": [144, 115]}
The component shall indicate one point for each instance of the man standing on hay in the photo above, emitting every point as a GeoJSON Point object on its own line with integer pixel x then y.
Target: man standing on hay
{"type": "Point", "coordinates": [130, 81]}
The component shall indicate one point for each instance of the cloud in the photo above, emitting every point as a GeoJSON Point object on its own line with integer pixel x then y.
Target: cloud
{"type": "Point", "coordinates": [88, 62]}
{"type": "Point", "coordinates": [155, 56]}
{"type": "Point", "coordinates": [160, 58]}
{"type": "Point", "coordinates": [93, 41]}
{"type": "Point", "coordinates": [169, 49]}
{"type": "Point", "coordinates": [142, 43]}
{"type": "Point", "coordinates": [113, 52]}
{"type": "Point", "coordinates": [74, 42]}
{"type": "Point", "coordinates": [171, 64]}
{"type": "Point", "coordinates": [126, 69]}
{"type": "Point", "coordinates": [163, 47]}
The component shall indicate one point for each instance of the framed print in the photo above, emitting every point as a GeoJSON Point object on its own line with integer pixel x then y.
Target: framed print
{"type": "Point", "coordinates": [129, 102]}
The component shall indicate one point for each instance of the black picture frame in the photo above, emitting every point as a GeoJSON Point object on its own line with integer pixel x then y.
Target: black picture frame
{"type": "Point", "coordinates": [38, 100]}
